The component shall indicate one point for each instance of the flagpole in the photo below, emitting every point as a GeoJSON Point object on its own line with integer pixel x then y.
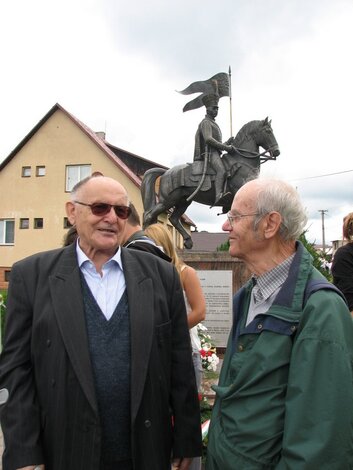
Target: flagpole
{"type": "Point", "coordinates": [230, 101]}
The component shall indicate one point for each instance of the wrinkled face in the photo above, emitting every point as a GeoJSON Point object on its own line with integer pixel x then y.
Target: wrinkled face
{"type": "Point", "coordinates": [98, 233]}
{"type": "Point", "coordinates": [244, 240]}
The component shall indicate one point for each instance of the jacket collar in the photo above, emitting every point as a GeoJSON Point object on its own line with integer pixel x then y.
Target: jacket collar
{"type": "Point", "coordinates": [65, 288]}
{"type": "Point", "coordinates": [289, 300]}
{"type": "Point", "coordinates": [292, 292]}
{"type": "Point", "coordinates": [141, 307]}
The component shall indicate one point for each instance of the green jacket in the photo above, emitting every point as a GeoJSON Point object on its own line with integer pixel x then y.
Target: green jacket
{"type": "Point", "coordinates": [285, 394]}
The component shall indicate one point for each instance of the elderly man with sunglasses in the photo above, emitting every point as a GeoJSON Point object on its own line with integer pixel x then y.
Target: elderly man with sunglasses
{"type": "Point", "coordinates": [284, 400]}
{"type": "Point", "coordinates": [96, 356]}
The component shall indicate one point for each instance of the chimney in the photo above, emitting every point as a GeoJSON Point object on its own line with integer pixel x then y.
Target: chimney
{"type": "Point", "coordinates": [101, 135]}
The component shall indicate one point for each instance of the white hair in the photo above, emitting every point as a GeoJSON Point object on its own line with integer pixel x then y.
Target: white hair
{"type": "Point", "coordinates": [279, 196]}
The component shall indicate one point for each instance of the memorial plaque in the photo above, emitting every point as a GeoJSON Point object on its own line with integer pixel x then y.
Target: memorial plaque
{"type": "Point", "coordinates": [217, 288]}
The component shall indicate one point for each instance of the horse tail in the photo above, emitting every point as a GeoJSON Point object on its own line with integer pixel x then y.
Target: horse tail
{"type": "Point", "coordinates": [148, 192]}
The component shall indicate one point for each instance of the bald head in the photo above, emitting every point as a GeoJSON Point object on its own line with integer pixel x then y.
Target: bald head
{"type": "Point", "coordinates": [97, 183]}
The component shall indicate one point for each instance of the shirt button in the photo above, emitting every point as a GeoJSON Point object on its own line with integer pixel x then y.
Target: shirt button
{"type": "Point", "coordinates": [293, 327]}
{"type": "Point", "coordinates": [148, 423]}
{"type": "Point", "coordinates": [259, 326]}
{"type": "Point", "coordinates": [240, 348]}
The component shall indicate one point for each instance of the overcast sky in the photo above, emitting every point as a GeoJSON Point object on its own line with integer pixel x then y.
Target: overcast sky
{"type": "Point", "coordinates": [116, 65]}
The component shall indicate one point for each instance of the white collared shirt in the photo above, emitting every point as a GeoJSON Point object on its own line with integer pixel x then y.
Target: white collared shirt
{"type": "Point", "coordinates": [107, 288]}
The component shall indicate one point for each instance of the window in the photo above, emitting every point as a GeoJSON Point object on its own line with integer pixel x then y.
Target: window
{"type": "Point", "coordinates": [38, 223]}
{"type": "Point", "coordinates": [26, 171]}
{"type": "Point", "coordinates": [76, 173]}
{"type": "Point", "coordinates": [24, 223]}
{"type": "Point", "coordinates": [67, 223]}
{"type": "Point", "coordinates": [7, 232]}
{"type": "Point", "coordinates": [40, 170]}
{"type": "Point", "coordinates": [7, 276]}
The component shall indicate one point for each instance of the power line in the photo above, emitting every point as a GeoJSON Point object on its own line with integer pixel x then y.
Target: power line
{"type": "Point", "coordinates": [322, 176]}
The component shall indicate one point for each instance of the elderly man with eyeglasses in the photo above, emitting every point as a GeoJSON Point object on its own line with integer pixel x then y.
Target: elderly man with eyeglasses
{"type": "Point", "coordinates": [97, 356]}
{"type": "Point", "coordinates": [284, 400]}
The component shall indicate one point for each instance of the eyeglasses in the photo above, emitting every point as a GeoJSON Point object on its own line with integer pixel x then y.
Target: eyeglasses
{"type": "Point", "coordinates": [232, 217]}
{"type": "Point", "coordinates": [101, 208]}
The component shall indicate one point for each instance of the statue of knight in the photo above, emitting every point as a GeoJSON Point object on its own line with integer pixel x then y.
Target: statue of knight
{"type": "Point", "coordinates": [208, 138]}
{"type": "Point", "coordinates": [209, 146]}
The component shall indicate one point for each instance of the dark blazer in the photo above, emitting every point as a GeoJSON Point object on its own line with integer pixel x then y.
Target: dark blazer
{"type": "Point", "coordinates": [51, 416]}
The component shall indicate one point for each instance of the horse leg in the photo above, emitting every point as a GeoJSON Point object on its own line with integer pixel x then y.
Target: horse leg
{"type": "Point", "coordinates": [178, 211]}
{"type": "Point", "coordinates": [150, 217]}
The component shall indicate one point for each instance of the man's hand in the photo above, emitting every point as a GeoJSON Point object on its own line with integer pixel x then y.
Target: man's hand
{"type": "Point", "coordinates": [181, 464]}
{"type": "Point", "coordinates": [32, 467]}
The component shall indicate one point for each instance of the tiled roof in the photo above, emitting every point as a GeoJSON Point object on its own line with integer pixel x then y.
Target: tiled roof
{"type": "Point", "coordinates": [207, 241]}
{"type": "Point", "coordinates": [116, 154]}
{"type": "Point", "coordinates": [92, 135]}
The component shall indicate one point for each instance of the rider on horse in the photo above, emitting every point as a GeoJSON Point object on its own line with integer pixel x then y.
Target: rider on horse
{"type": "Point", "coordinates": [208, 143]}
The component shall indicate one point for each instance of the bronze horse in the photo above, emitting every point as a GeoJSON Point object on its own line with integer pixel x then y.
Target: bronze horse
{"type": "Point", "coordinates": [180, 185]}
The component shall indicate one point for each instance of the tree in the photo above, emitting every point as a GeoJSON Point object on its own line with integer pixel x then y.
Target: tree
{"type": "Point", "coordinates": [223, 246]}
{"type": "Point", "coordinates": [319, 260]}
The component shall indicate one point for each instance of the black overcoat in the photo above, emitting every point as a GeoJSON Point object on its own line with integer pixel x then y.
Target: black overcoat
{"type": "Point", "coordinates": [51, 416]}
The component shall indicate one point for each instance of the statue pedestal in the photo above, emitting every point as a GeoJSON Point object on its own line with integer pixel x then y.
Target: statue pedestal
{"type": "Point", "coordinates": [221, 276]}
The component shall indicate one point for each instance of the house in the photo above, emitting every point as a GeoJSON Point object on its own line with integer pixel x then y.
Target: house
{"type": "Point", "coordinates": [208, 241]}
{"type": "Point", "coordinates": [38, 175]}
{"type": "Point", "coordinates": [337, 244]}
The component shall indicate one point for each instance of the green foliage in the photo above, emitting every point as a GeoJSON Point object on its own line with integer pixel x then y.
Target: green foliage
{"type": "Point", "coordinates": [317, 257]}
{"type": "Point", "coordinates": [206, 409]}
{"type": "Point", "coordinates": [223, 246]}
{"type": "Point", "coordinates": [207, 397]}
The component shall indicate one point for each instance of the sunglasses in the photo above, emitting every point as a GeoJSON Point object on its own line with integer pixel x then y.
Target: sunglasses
{"type": "Point", "coordinates": [101, 208]}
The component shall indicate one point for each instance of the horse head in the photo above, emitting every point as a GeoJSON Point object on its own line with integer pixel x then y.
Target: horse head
{"type": "Point", "coordinates": [257, 134]}
{"type": "Point", "coordinates": [265, 138]}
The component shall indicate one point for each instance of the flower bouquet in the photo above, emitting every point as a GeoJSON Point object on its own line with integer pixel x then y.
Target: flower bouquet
{"type": "Point", "coordinates": [209, 357]}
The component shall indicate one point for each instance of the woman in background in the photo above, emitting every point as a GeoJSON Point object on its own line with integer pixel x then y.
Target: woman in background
{"type": "Point", "coordinates": [194, 300]}
{"type": "Point", "coordinates": [342, 264]}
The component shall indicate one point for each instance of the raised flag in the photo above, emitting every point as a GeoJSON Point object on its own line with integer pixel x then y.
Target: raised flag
{"type": "Point", "coordinates": [218, 84]}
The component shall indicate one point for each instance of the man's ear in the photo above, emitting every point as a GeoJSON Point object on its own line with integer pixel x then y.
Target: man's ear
{"type": "Point", "coordinates": [70, 212]}
{"type": "Point", "coordinates": [272, 224]}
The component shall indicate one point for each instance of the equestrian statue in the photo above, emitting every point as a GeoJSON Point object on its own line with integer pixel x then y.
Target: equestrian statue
{"type": "Point", "coordinates": [218, 171]}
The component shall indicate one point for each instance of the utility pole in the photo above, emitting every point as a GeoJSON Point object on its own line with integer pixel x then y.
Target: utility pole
{"type": "Point", "coordinates": [323, 229]}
